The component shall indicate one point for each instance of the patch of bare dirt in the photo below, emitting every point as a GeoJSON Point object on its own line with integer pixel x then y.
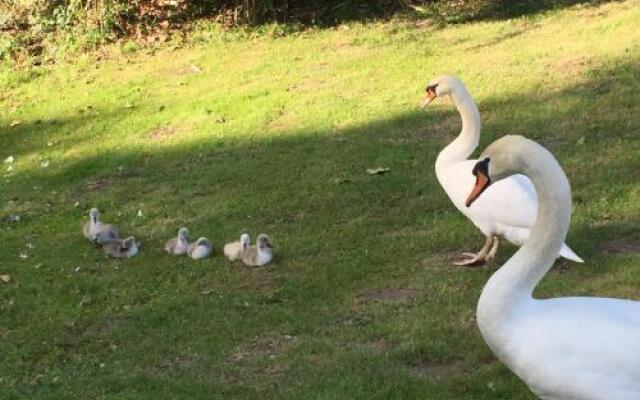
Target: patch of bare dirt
{"type": "Point", "coordinates": [163, 132]}
{"type": "Point", "coordinates": [394, 295]}
{"type": "Point", "coordinates": [436, 370]}
{"type": "Point", "coordinates": [571, 66]}
{"type": "Point", "coordinates": [260, 347]}
{"type": "Point", "coordinates": [379, 345]}
{"type": "Point", "coordinates": [97, 185]}
{"type": "Point", "coordinates": [622, 246]}
{"type": "Point", "coordinates": [259, 356]}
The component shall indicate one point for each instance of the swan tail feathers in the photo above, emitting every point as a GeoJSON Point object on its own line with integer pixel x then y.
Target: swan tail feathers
{"type": "Point", "coordinates": [567, 253]}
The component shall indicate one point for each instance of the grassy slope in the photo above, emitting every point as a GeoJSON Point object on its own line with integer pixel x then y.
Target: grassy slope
{"type": "Point", "coordinates": [299, 112]}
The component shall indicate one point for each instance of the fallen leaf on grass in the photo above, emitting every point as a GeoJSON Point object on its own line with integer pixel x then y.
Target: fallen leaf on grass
{"type": "Point", "coordinates": [15, 122]}
{"type": "Point", "coordinates": [377, 171]}
{"type": "Point", "coordinates": [340, 181]}
{"type": "Point", "coordinates": [5, 278]}
{"type": "Point", "coordinates": [195, 68]}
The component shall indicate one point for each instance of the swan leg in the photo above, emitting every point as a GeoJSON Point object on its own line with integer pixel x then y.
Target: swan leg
{"type": "Point", "coordinates": [494, 249]}
{"type": "Point", "coordinates": [479, 258]}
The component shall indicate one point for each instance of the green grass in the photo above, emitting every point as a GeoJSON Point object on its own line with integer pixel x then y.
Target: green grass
{"type": "Point", "coordinates": [144, 132]}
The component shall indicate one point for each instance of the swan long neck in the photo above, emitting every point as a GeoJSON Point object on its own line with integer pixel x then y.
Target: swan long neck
{"type": "Point", "coordinates": [467, 141]}
{"type": "Point", "coordinates": [517, 279]}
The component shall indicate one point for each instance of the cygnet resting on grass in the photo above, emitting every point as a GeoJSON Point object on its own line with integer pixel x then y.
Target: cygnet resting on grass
{"type": "Point", "coordinates": [234, 250]}
{"type": "Point", "coordinates": [200, 248]}
{"type": "Point", "coordinates": [260, 254]}
{"type": "Point", "coordinates": [96, 231]}
{"type": "Point", "coordinates": [178, 245]}
{"type": "Point", "coordinates": [121, 248]}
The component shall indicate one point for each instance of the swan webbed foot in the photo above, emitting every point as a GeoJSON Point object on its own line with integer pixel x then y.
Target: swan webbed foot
{"type": "Point", "coordinates": [470, 260]}
{"type": "Point", "coordinates": [487, 253]}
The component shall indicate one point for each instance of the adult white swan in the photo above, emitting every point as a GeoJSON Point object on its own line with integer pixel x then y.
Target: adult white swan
{"type": "Point", "coordinates": [509, 208]}
{"type": "Point", "coordinates": [572, 348]}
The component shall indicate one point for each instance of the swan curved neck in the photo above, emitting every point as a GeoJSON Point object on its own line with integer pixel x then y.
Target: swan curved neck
{"type": "Point", "coordinates": [467, 141]}
{"type": "Point", "coordinates": [518, 277]}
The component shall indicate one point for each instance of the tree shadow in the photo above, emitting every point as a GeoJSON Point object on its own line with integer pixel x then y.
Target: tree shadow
{"type": "Point", "coordinates": [493, 10]}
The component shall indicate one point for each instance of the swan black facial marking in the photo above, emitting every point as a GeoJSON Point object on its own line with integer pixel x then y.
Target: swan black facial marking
{"type": "Point", "coordinates": [482, 166]}
{"type": "Point", "coordinates": [431, 88]}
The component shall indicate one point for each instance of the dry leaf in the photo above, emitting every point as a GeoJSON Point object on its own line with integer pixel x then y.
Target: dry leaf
{"type": "Point", "coordinates": [5, 278]}
{"type": "Point", "coordinates": [377, 171]}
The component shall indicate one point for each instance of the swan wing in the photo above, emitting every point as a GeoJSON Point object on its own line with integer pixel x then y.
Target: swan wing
{"type": "Point", "coordinates": [510, 202]}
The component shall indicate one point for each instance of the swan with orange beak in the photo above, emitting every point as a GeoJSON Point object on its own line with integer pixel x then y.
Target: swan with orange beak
{"type": "Point", "coordinates": [508, 209]}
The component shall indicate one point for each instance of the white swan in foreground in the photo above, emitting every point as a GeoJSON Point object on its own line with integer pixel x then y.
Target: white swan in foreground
{"type": "Point", "coordinates": [509, 207]}
{"type": "Point", "coordinates": [572, 348]}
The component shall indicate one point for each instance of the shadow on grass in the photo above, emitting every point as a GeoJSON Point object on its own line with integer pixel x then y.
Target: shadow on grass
{"type": "Point", "coordinates": [503, 9]}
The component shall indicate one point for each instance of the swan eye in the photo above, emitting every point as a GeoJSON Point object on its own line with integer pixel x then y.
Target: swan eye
{"type": "Point", "coordinates": [481, 166]}
{"type": "Point", "coordinates": [431, 88]}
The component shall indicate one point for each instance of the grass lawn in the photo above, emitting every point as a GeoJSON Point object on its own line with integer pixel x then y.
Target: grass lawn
{"type": "Point", "coordinates": [275, 135]}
